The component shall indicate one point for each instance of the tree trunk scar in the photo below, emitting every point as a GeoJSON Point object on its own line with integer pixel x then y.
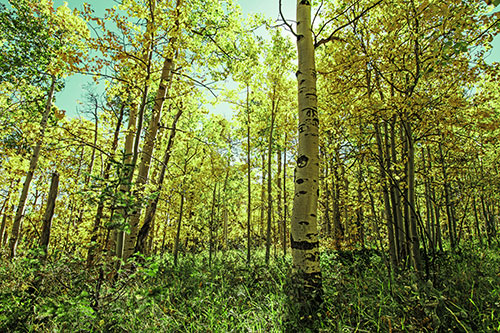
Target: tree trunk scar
{"type": "Point", "coordinates": [302, 161]}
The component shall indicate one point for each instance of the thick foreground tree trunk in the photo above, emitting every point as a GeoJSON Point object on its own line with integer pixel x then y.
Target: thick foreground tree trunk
{"type": "Point", "coordinates": [304, 229]}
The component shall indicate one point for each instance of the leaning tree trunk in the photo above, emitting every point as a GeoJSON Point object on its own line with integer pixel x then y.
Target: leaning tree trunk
{"type": "Point", "coordinates": [49, 213]}
{"type": "Point", "coordinates": [304, 224]}
{"type": "Point", "coordinates": [16, 226]}
{"type": "Point", "coordinates": [152, 206]}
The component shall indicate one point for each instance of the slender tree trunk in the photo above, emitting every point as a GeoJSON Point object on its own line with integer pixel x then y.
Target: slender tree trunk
{"type": "Point", "coordinates": [225, 209]}
{"type": "Point", "coordinates": [476, 219]}
{"type": "Point", "coordinates": [3, 227]}
{"type": "Point", "coordinates": [396, 198]}
{"type": "Point", "coordinates": [262, 196]}
{"type": "Point", "coordinates": [387, 204]}
{"type": "Point", "coordinates": [337, 223]}
{"type": "Point", "coordinates": [126, 170]}
{"type": "Point", "coordinates": [269, 182]}
{"type": "Point", "coordinates": [279, 202]}
{"type": "Point", "coordinates": [328, 225]}
{"type": "Point", "coordinates": [428, 203]}
{"type": "Point", "coordinates": [285, 205]}
{"type": "Point", "coordinates": [359, 211]}
{"type": "Point", "coordinates": [447, 197]}
{"type": "Point", "coordinates": [405, 190]}
{"type": "Point", "coordinates": [8, 218]}
{"type": "Point", "coordinates": [6, 213]}
{"type": "Point", "coordinates": [211, 228]}
{"type": "Point", "coordinates": [178, 233]}
{"type": "Point", "coordinates": [249, 177]}
{"type": "Point", "coordinates": [148, 54]}
{"type": "Point", "coordinates": [439, 237]}
{"type": "Point", "coordinates": [102, 199]}
{"type": "Point", "coordinates": [166, 224]}
{"type": "Point", "coordinates": [414, 239]}
{"type": "Point", "coordinates": [49, 213]}
{"type": "Point", "coordinates": [16, 226]}
{"type": "Point", "coordinates": [486, 219]}
{"type": "Point", "coordinates": [304, 227]}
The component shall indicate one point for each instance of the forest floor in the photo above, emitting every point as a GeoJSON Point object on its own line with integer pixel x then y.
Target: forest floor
{"type": "Point", "coordinates": [461, 294]}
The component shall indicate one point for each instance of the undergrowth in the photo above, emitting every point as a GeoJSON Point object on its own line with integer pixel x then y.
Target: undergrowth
{"type": "Point", "coordinates": [462, 295]}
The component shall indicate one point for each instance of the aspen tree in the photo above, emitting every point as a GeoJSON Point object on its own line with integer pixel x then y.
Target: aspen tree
{"type": "Point", "coordinates": [304, 230]}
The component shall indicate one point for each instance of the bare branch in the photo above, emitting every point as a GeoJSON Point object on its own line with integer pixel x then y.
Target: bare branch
{"type": "Point", "coordinates": [332, 36]}
{"type": "Point", "coordinates": [286, 22]}
{"type": "Point", "coordinates": [336, 17]}
{"type": "Point", "coordinates": [197, 82]}
{"type": "Point", "coordinates": [317, 12]}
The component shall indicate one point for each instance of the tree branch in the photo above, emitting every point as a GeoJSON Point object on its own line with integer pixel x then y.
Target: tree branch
{"type": "Point", "coordinates": [286, 22]}
{"type": "Point", "coordinates": [332, 36]}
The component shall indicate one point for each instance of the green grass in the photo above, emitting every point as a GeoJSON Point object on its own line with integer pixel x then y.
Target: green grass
{"type": "Point", "coordinates": [463, 295]}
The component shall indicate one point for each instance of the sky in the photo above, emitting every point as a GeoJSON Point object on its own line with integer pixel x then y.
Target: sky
{"type": "Point", "coordinates": [74, 89]}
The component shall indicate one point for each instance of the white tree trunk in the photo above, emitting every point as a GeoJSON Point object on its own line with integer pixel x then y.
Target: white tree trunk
{"type": "Point", "coordinates": [304, 229]}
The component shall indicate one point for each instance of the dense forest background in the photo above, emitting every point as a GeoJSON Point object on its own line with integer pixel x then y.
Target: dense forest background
{"type": "Point", "coordinates": [151, 212]}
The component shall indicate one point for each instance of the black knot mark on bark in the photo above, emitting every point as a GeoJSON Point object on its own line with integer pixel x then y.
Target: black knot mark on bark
{"type": "Point", "coordinates": [311, 113]}
{"type": "Point", "coordinates": [302, 192]}
{"type": "Point", "coordinates": [302, 128]}
{"type": "Point", "coordinates": [302, 161]}
{"type": "Point", "coordinates": [311, 257]}
{"type": "Point", "coordinates": [300, 181]}
{"type": "Point", "coordinates": [304, 245]}
{"type": "Point", "coordinates": [305, 2]}
{"type": "Point", "coordinates": [297, 73]}
{"type": "Point", "coordinates": [315, 122]}
{"type": "Point", "coordinates": [313, 215]}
